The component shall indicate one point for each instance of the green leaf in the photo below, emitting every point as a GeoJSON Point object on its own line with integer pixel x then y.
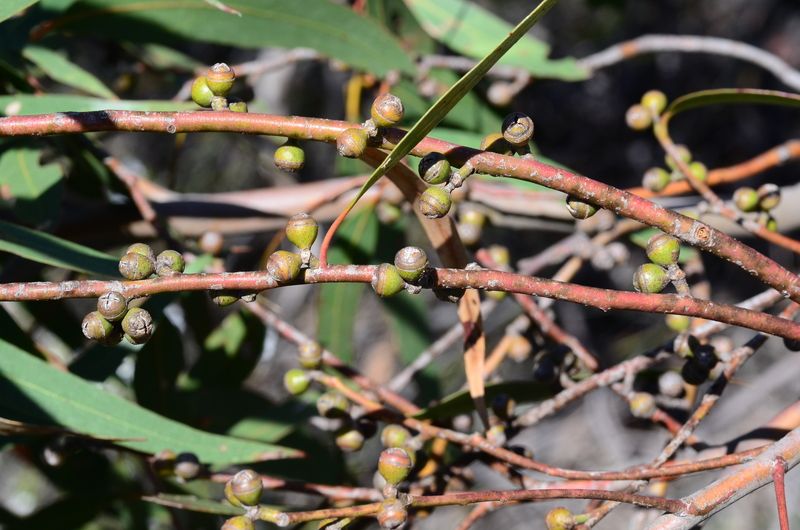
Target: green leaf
{"type": "Point", "coordinates": [51, 250]}
{"type": "Point", "coordinates": [194, 504]}
{"type": "Point", "coordinates": [26, 104]}
{"type": "Point", "coordinates": [33, 391]}
{"type": "Point", "coordinates": [8, 8]}
{"type": "Point", "coordinates": [331, 29]}
{"type": "Point", "coordinates": [230, 352]}
{"type": "Point", "coordinates": [473, 31]}
{"type": "Point", "coordinates": [461, 402]}
{"type": "Point", "coordinates": [456, 92]}
{"type": "Point", "coordinates": [720, 96]}
{"type": "Point", "coordinates": [60, 69]}
{"type": "Point", "coordinates": [356, 241]}
{"type": "Point", "coordinates": [34, 188]}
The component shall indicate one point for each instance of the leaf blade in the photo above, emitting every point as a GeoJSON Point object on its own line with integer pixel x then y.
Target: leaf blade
{"type": "Point", "coordinates": [66, 72]}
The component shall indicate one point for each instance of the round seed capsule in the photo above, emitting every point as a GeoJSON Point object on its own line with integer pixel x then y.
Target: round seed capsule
{"type": "Point", "coordinates": [469, 234]}
{"type": "Point", "coordinates": [684, 154]}
{"type": "Point", "coordinates": [211, 243]}
{"type": "Point", "coordinates": [394, 465]}
{"type": "Point", "coordinates": [517, 129]}
{"type": "Point", "coordinates": [411, 262]}
{"type": "Point", "coordinates": [663, 249]}
{"type": "Point", "coordinates": [246, 486]}
{"type": "Point", "coordinates": [284, 266]}
{"type": "Point", "coordinates": [579, 209]}
{"type": "Point", "coordinates": [395, 436]}
{"type": "Point", "coordinates": [434, 168]}
{"type": "Point", "coordinates": [746, 199]}
{"type": "Point", "coordinates": [112, 306]}
{"type": "Point", "coordinates": [170, 263]}
{"type": "Point", "coordinates": [290, 157]}
{"type": "Point", "coordinates": [769, 196]}
{"type": "Point", "coordinates": [559, 519]}
{"type": "Point", "coordinates": [655, 100]}
{"type": "Point", "coordinates": [670, 384]}
{"type": "Point", "coordinates": [500, 255]}
{"type": "Point", "coordinates": [519, 348]}
{"type": "Point", "coordinates": [96, 327]}
{"type": "Point", "coordinates": [387, 110]}
{"type": "Point", "coordinates": [133, 266]}
{"type": "Point", "coordinates": [220, 78]}
{"type": "Point", "coordinates": [350, 440]}
{"type": "Point", "coordinates": [642, 405]}
{"type": "Point", "coordinates": [137, 325]}
{"type": "Point", "coordinates": [678, 323]}
{"type": "Point", "coordinates": [296, 381]}
{"type": "Point", "coordinates": [201, 94]}
{"type": "Point", "coordinates": [239, 522]}
{"type": "Point", "coordinates": [143, 249]}
{"type": "Point", "coordinates": [638, 117]}
{"type": "Point", "coordinates": [434, 202]}
{"type": "Point", "coordinates": [229, 494]}
{"type": "Point", "coordinates": [332, 404]}
{"type": "Point", "coordinates": [309, 354]}
{"type": "Point", "coordinates": [187, 466]}
{"type": "Point", "coordinates": [650, 278]}
{"type": "Point", "coordinates": [352, 142]}
{"type": "Point", "coordinates": [302, 230]}
{"type": "Point", "coordinates": [655, 179]}
{"type": "Point", "coordinates": [699, 171]}
{"type": "Point", "coordinates": [387, 281]}
{"type": "Point", "coordinates": [392, 514]}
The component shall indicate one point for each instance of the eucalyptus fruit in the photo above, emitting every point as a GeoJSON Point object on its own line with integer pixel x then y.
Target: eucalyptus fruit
{"type": "Point", "coordinates": [394, 465]}
{"type": "Point", "coordinates": [284, 266]}
{"type": "Point", "coordinates": [170, 263]}
{"type": "Point", "coordinates": [656, 179]}
{"type": "Point", "coordinates": [137, 325]}
{"type": "Point", "coordinates": [411, 263]}
{"type": "Point", "coordinates": [579, 209]}
{"type": "Point", "coordinates": [96, 327]}
{"type": "Point", "coordinates": [246, 487]}
{"type": "Point", "coordinates": [650, 278]}
{"type": "Point", "coordinates": [290, 157]}
{"type": "Point", "coordinates": [332, 404]}
{"type": "Point", "coordinates": [296, 381]}
{"type": "Point", "coordinates": [187, 466]}
{"type": "Point", "coordinates": [387, 110]}
{"type": "Point", "coordinates": [746, 199]}
{"type": "Point", "coordinates": [395, 436]}
{"type": "Point", "coordinates": [302, 230]}
{"type": "Point", "coordinates": [220, 78]}
{"type": "Point", "coordinates": [387, 280]}
{"type": "Point", "coordinates": [201, 94]}
{"type": "Point", "coordinates": [655, 100]}
{"type": "Point", "coordinates": [392, 514]}
{"type": "Point", "coordinates": [434, 202]}
{"type": "Point", "coordinates": [352, 142]}
{"type": "Point", "coordinates": [112, 306]}
{"type": "Point", "coordinates": [517, 129]}
{"type": "Point", "coordinates": [663, 249]}
{"type": "Point", "coordinates": [642, 405]}
{"type": "Point", "coordinates": [434, 168]}
{"type": "Point", "coordinates": [559, 519]}
{"type": "Point", "coordinates": [638, 117]}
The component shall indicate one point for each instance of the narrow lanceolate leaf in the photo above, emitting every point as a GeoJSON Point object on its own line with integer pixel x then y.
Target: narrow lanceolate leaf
{"type": "Point", "coordinates": [35, 392]}
{"type": "Point", "coordinates": [333, 30]}
{"type": "Point", "coordinates": [721, 96]}
{"type": "Point", "coordinates": [194, 504]}
{"type": "Point", "coordinates": [61, 69]}
{"type": "Point", "coordinates": [50, 250]}
{"type": "Point", "coordinates": [34, 189]}
{"type": "Point", "coordinates": [473, 31]}
{"type": "Point", "coordinates": [9, 8]}
{"type": "Point", "coordinates": [443, 105]}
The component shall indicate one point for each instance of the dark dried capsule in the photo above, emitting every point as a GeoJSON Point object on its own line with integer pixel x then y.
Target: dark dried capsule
{"type": "Point", "coordinates": [434, 168]}
{"type": "Point", "coordinates": [705, 357]}
{"type": "Point", "coordinates": [137, 325]}
{"type": "Point", "coordinates": [223, 298]}
{"type": "Point", "coordinates": [170, 263]}
{"type": "Point", "coordinates": [694, 374]}
{"type": "Point", "coordinates": [112, 306]}
{"type": "Point", "coordinates": [187, 466]}
{"type": "Point", "coordinates": [452, 295]}
{"type": "Point", "coordinates": [518, 129]}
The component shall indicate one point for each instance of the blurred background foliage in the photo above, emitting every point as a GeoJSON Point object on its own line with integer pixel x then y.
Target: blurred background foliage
{"type": "Point", "coordinates": [64, 214]}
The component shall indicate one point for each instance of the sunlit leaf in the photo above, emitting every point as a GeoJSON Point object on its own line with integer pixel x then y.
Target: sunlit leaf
{"type": "Point", "coordinates": [61, 69]}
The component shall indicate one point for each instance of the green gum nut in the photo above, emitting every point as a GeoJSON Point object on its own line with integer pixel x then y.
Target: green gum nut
{"type": "Point", "coordinates": [395, 436]}
{"type": "Point", "coordinates": [655, 100]}
{"type": "Point", "coordinates": [579, 209]}
{"type": "Point", "coordinates": [352, 142]}
{"type": "Point", "coordinates": [170, 263]}
{"type": "Point", "coordinates": [246, 486]}
{"type": "Point", "coordinates": [290, 157]}
{"type": "Point", "coordinates": [392, 514]}
{"type": "Point", "coordinates": [201, 94]}
{"type": "Point", "coordinates": [284, 266]}
{"type": "Point", "coordinates": [349, 440]}
{"type": "Point", "coordinates": [96, 327]}
{"type": "Point", "coordinates": [387, 110]}
{"type": "Point", "coordinates": [642, 405]}
{"type": "Point", "coordinates": [769, 196]}
{"type": "Point", "coordinates": [142, 249]}
{"type": "Point", "coordinates": [133, 266]}
{"type": "Point", "coordinates": [638, 117]}
{"type": "Point", "coordinates": [411, 263]}
{"type": "Point", "coordinates": [387, 281]}
{"type": "Point", "coordinates": [655, 179]}
{"type": "Point", "coordinates": [302, 230]}
{"type": "Point", "coordinates": [699, 171]}
{"type": "Point", "coordinates": [678, 323]}
{"type": "Point", "coordinates": [559, 519]}
{"type": "Point", "coordinates": [434, 202]}
{"type": "Point", "coordinates": [663, 249]}
{"type": "Point", "coordinates": [394, 465]}
{"type": "Point", "coordinates": [296, 381]}
{"type": "Point", "coordinates": [309, 355]}
{"type": "Point", "coordinates": [517, 129]}
{"type": "Point", "coordinates": [684, 154]}
{"type": "Point", "coordinates": [332, 404]}
{"type": "Point", "coordinates": [239, 522]}
{"type": "Point", "coordinates": [746, 199]}
{"type": "Point", "coordinates": [220, 78]}
{"type": "Point", "coordinates": [650, 278]}
{"type": "Point", "coordinates": [137, 325]}
{"type": "Point", "coordinates": [434, 168]}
